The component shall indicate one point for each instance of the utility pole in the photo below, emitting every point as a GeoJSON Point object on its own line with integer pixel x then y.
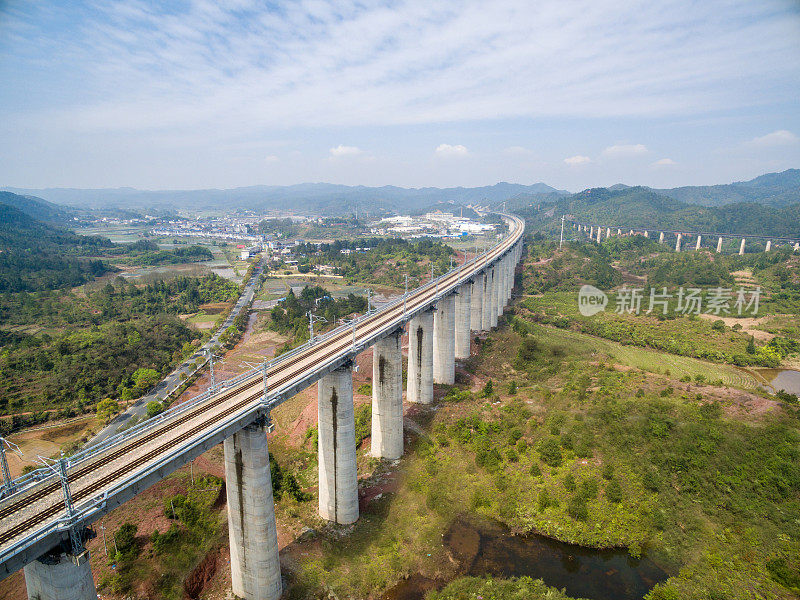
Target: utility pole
{"type": "Point", "coordinates": [211, 363]}
{"type": "Point", "coordinates": [103, 531]}
{"type": "Point", "coordinates": [8, 483]}
{"type": "Point", "coordinates": [561, 241]}
{"type": "Point", "coordinates": [405, 294]}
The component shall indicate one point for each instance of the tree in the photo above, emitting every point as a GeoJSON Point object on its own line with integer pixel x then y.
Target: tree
{"type": "Point", "coordinates": [751, 346]}
{"type": "Point", "coordinates": [106, 409]}
{"type": "Point", "coordinates": [488, 389]}
{"type": "Point", "coordinates": [154, 408]}
{"type": "Point", "coordinates": [144, 379]}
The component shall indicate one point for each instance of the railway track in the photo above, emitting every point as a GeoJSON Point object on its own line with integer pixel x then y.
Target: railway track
{"type": "Point", "coordinates": [187, 425]}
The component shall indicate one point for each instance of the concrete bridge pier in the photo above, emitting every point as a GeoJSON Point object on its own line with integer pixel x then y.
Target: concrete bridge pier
{"type": "Point", "coordinates": [420, 358]}
{"type": "Point", "coordinates": [497, 294]}
{"type": "Point", "coordinates": [599, 233]}
{"type": "Point", "coordinates": [444, 341]}
{"type": "Point", "coordinates": [60, 576]}
{"type": "Point", "coordinates": [476, 303]}
{"type": "Point", "coordinates": [661, 238]}
{"type": "Point", "coordinates": [608, 232]}
{"type": "Point", "coordinates": [646, 233]}
{"type": "Point", "coordinates": [678, 243]}
{"type": "Point", "coordinates": [796, 247]}
{"type": "Point", "coordinates": [387, 397]}
{"type": "Point", "coordinates": [255, 566]}
{"type": "Point", "coordinates": [591, 232]}
{"type": "Point", "coordinates": [741, 248]}
{"type": "Point", "coordinates": [486, 302]}
{"type": "Point", "coordinates": [719, 245]}
{"type": "Point", "coordinates": [619, 231]}
{"type": "Point", "coordinates": [490, 306]}
{"type": "Point", "coordinates": [768, 246]}
{"type": "Point", "coordinates": [697, 245]}
{"type": "Point", "coordinates": [463, 321]}
{"type": "Point", "coordinates": [338, 478]}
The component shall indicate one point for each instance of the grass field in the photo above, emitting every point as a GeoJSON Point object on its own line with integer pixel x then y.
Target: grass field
{"type": "Point", "coordinates": [649, 360]}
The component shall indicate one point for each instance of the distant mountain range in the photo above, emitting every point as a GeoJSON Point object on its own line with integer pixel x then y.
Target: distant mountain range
{"type": "Point", "coordinates": [312, 198]}
{"type": "Point", "coordinates": [773, 189]}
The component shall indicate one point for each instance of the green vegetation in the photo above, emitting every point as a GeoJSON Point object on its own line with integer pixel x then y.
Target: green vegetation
{"type": "Point", "coordinates": [35, 256]}
{"type": "Point", "coordinates": [290, 316]}
{"type": "Point", "coordinates": [523, 588]}
{"type": "Point", "coordinates": [147, 252]}
{"type": "Point", "coordinates": [195, 528]}
{"type": "Point", "coordinates": [381, 260]}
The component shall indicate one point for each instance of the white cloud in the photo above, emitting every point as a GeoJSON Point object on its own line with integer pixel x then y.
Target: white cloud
{"type": "Point", "coordinates": [271, 158]}
{"type": "Point", "coordinates": [574, 161]}
{"type": "Point", "coordinates": [517, 151]}
{"type": "Point", "coordinates": [664, 162]}
{"type": "Point", "coordinates": [782, 137]}
{"type": "Point", "coordinates": [624, 151]}
{"type": "Point", "coordinates": [341, 151]}
{"type": "Point", "coordinates": [448, 151]}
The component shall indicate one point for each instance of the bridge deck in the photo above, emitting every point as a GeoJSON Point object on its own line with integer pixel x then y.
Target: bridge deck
{"type": "Point", "coordinates": [29, 520]}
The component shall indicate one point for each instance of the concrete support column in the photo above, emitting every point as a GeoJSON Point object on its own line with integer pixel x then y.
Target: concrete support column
{"type": "Point", "coordinates": [338, 478]}
{"type": "Point", "coordinates": [444, 341]}
{"type": "Point", "coordinates": [741, 248]}
{"type": "Point", "coordinates": [255, 567]}
{"type": "Point", "coordinates": [420, 358]}
{"type": "Point", "coordinates": [661, 238]}
{"type": "Point", "coordinates": [60, 576]}
{"type": "Point", "coordinates": [678, 243]}
{"type": "Point", "coordinates": [769, 246]}
{"type": "Point", "coordinates": [599, 233]}
{"type": "Point", "coordinates": [796, 247]}
{"type": "Point", "coordinates": [646, 233]}
{"type": "Point", "coordinates": [619, 231]}
{"type": "Point", "coordinates": [486, 317]}
{"type": "Point", "coordinates": [493, 313]}
{"type": "Point", "coordinates": [608, 232]}
{"type": "Point", "coordinates": [719, 245]}
{"type": "Point", "coordinates": [387, 398]}
{"type": "Point", "coordinates": [463, 320]}
{"type": "Point", "coordinates": [697, 245]}
{"type": "Point", "coordinates": [476, 308]}
{"type": "Point", "coordinates": [591, 232]}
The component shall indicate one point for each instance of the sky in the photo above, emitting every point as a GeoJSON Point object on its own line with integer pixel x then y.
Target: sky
{"type": "Point", "coordinates": [193, 94]}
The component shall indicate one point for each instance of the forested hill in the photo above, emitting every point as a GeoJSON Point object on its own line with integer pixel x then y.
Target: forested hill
{"type": "Point", "coordinates": [37, 256]}
{"type": "Point", "coordinates": [38, 209]}
{"type": "Point", "coordinates": [774, 189]}
{"type": "Point", "coordinates": [643, 207]}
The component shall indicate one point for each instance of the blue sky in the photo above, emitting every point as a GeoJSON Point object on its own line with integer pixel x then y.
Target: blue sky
{"type": "Point", "coordinates": [575, 93]}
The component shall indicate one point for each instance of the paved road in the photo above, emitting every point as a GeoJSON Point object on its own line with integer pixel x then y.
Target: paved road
{"type": "Point", "coordinates": [172, 381]}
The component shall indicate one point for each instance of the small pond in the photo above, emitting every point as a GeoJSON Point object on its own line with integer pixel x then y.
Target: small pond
{"type": "Point", "coordinates": [787, 380]}
{"type": "Point", "coordinates": [489, 549]}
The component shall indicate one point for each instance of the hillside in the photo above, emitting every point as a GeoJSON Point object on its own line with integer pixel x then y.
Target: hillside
{"type": "Point", "coordinates": [36, 256]}
{"type": "Point", "coordinates": [39, 209]}
{"type": "Point", "coordinates": [643, 207]}
{"type": "Point", "coordinates": [774, 189]}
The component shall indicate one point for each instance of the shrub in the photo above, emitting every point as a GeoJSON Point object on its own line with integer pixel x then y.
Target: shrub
{"type": "Point", "coordinates": [488, 389]}
{"type": "Point", "coordinates": [576, 507]}
{"type": "Point", "coordinates": [550, 452]}
{"type": "Point", "coordinates": [614, 491]}
{"type": "Point", "coordinates": [607, 471]}
{"type": "Point", "coordinates": [569, 482]}
{"type": "Point", "coordinates": [154, 408]}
